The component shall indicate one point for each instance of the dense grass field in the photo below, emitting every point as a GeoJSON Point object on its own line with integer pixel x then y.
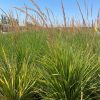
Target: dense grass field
{"type": "Point", "coordinates": [53, 65]}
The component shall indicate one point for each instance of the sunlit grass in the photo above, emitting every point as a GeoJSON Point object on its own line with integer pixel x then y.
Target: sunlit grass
{"type": "Point", "coordinates": [41, 65]}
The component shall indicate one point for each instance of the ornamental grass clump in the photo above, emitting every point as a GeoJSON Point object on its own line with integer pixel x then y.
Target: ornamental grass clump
{"type": "Point", "coordinates": [69, 73]}
{"type": "Point", "coordinates": [17, 80]}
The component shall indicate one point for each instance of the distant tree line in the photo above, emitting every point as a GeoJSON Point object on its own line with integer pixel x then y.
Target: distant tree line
{"type": "Point", "coordinates": [7, 22]}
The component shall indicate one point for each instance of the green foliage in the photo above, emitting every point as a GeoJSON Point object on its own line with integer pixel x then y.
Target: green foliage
{"type": "Point", "coordinates": [41, 65]}
{"type": "Point", "coordinates": [70, 72]}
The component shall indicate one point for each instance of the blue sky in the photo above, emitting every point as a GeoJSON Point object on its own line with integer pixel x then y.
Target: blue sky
{"type": "Point", "coordinates": [71, 8]}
